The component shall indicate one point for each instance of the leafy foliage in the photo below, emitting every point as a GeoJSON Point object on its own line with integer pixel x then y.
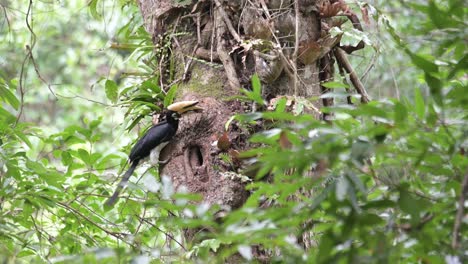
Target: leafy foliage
{"type": "Point", "coordinates": [378, 184]}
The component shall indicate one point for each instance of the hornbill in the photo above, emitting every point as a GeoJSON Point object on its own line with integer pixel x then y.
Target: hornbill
{"type": "Point", "coordinates": [154, 141]}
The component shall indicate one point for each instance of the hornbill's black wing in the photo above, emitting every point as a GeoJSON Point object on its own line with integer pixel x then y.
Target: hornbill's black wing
{"type": "Point", "coordinates": [156, 135]}
{"type": "Point", "coordinates": [159, 133]}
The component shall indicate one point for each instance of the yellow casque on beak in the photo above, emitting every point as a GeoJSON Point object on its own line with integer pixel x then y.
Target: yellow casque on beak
{"type": "Point", "coordinates": [184, 106]}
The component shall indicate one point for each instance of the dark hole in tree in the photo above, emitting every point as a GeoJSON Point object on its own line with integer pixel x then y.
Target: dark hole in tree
{"type": "Point", "coordinates": [196, 157]}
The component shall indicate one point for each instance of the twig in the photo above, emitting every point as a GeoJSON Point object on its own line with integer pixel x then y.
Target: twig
{"type": "Point", "coordinates": [28, 15]}
{"type": "Point", "coordinates": [84, 98]}
{"type": "Point", "coordinates": [36, 69]}
{"type": "Point", "coordinates": [325, 75]}
{"type": "Point", "coordinates": [395, 84]}
{"type": "Point", "coordinates": [22, 75]}
{"type": "Point", "coordinates": [30, 48]}
{"type": "Point", "coordinates": [227, 21]}
{"type": "Point", "coordinates": [357, 25]}
{"type": "Point", "coordinates": [78, 213]}
{"type": "Point", "coordinates": [228, 64]}
{"type": "Point", "coordinates": [370, 66]}
{"type": "Point", "coordinates": [199, 42]}
{"type": "Point", "coordinates": [296, 44]}
{"type": "Point", "coordinates": [189, 63]}
{"type": "Point", "coordinates": [345, 81]}
{"type": "Point", "coordinates": [21, 88]}
{"type": "Point", "coordinates": [29, 56]}
{"type": "Point", "coordinates": [459, 216]}
{"type": "Point", "coordinates": [340, 56]}
{"type": "Point", "coordinates": [6, 18]}
{"type": "Point", "coordinates": [141, 222]}
{"type": "Point", "coordinates": [289, 67]}
{"type": "Point", "coordinates": [165, 233]}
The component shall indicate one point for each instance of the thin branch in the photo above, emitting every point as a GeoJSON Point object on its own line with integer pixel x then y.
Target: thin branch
{"type": "Point", "coordinates": [357, 25]}
{"type": "Point", "coordinates": [77, 213]}
{"type": "Point", "coordinates": [371, 65]}
{"type": "Point", "coordinates": [296, 44]}
{"type": "Point", "coordinates": [141, 222]}
{"type": "Point", "coordinates": [227, 21]}
{"type": "Point", "coordinates": [459, 216]}
{"type": "Point", "coordinates": [84, 98]}
{"type": "Point", "coordinates": [345, 81]}
{"type": "Point", "coordinates": [29, 56]}
{"type": "Point", "coordinates": [29, 16]}
{"type": "Point", "coordinates": [223, 54]}
{"type": "Point", "coordinates": [22, 77]}
{"type": "Point", "coordinates": [395, 83]}
{"type": "Point", "coordinates": [6, 18]}
{"type": "Point", "coordinates": [165, 233]}
{"type": "Point", "coordinates": [36, 69]}
{"type": "Point", "coordinates": [199, 42]}
{"type": "Point", "coordinates": [30, 48]}
{"type": "Point", "coordinates": [289, 67]}
{"type": "Point", "coordinates": [340, 56]}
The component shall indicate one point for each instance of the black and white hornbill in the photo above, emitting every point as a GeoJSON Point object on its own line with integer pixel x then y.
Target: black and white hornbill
{"type": "Point", "coordinates": [154, 141]}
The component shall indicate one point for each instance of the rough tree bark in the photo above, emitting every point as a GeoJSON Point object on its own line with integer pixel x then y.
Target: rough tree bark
{"type": "Point", "coordinates": [218, 45]}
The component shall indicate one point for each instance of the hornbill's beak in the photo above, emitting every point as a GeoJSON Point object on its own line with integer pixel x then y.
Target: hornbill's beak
{"type": "Point", "coordinates": [184, 106]}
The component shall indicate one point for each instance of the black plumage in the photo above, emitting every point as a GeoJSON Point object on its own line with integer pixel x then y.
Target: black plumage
{"type": "Point", "coordinates": [154, 140]}
{"type": "Point", "coordinates": [159, 133]}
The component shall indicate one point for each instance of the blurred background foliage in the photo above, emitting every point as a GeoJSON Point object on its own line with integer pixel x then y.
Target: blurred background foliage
{"type": "Point", "coordinates": [77, 76]}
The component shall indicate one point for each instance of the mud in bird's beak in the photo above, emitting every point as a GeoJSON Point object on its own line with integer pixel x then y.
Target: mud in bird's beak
{"type": "Point", "coordinates": [184, 106]}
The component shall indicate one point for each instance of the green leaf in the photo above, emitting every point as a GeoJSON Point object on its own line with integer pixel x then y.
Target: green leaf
{"type": "Point", "coordinates": [422, 63]}
{"type": "Point", "coordinates": [6, 116]}
{"type": "Point", "coordinates": [370, 219]}
{"type": "Point", "coordinates": [372, 110]}
{"type": "Point", "coordinates": [356, 181]}
{"type": "Point", "coordinates": [36, 167]}
{"type": "Point", "coordinates": [401, 113]}
{"type": "Point", "coordinates": [213, 244]}
{"type": "Point", "coordinates": [335, 85]}
{"type": "Point", "coordinates": [410, 204]}
{"type": "Point", "coordinates": [435, 85]}
{"type": "Point", "coordinates": [93, 9]}
{"type": "Point", "coordinates": [151, 85]}
{"type": "Point", "coordinates": [440, 18]}
{"type": "Point", "coordinates": [66, 158]}
{"type": "Point", "coordinates": [24, 138]}
{"type": "Point", "coordinates": [7, 95]}
{"type": "Point", "coordinates": [256, 93]}
{"type": "Point", "coordinates": [281, 105]}
{"type": "Point", "coordinates": [84, 156]}
{"type": "Point", "coordinates": [461, 65]}
{"type": "Point", "coordinates": [134, 123]}
{"type": "Point", "coordinates": [419, 106]}
{"type": "Point", "coordinates": [170, 96]}
{"type": "Point", "coordinates": [112, 91]}
{"type": "Point", "coordinates": [379, 204]}
{"type": "Point", "coordinates": [256, 84]}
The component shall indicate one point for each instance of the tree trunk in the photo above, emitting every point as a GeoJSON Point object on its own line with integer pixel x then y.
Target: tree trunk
{"type": "Point", "coordinates": [218, 45]}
